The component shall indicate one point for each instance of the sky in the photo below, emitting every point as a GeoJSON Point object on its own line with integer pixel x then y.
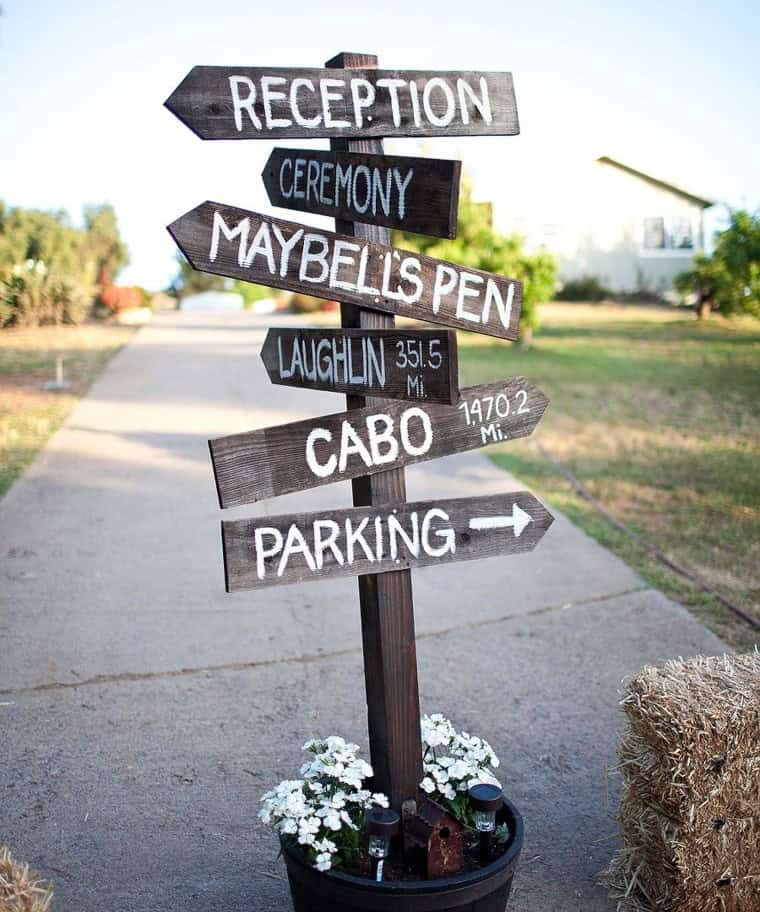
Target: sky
{"type": "Point", "coordinates": [672, 89]}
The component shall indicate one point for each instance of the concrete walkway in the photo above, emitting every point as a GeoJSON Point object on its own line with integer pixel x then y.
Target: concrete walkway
{"type": "Point", "coordinates": [143, 710]}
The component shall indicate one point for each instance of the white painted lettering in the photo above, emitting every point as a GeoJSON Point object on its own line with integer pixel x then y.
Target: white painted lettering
{"type": "Point", "coordinates": [219, 226]}
{"type": "Point", "coordinates": [268, 95]}
{"type": "Point", "coordinates": [445, 282]}
{"type": "Point", "coordinates": [308, 255]}
{"type": "Point", "coordinates": [243, 104]}
{"type": "Point", "coordinates": [467, 292]}
{"type": "Point", "coordinates": [427, 432]}
{"type": "Point", "coordinates": [325, 85]}
{"type": "Point", "coordinates": [320, 469]}
{"type": "Point", "coordinates": [444, 119]}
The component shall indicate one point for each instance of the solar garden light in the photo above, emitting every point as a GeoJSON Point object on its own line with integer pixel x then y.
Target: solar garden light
{"type": "Point", "coordinates": [486, 800]}
{"type": "Point", "coordinates": [382, 825]}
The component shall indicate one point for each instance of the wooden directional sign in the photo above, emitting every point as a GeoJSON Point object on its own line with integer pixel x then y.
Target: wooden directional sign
{"type": "Point", "coordinates": [272, 550]}
{"type": "Point", "coordinates": [245, 245]}
{"type": "Point", "coordinates": [258, 103]}
{"type": "Point", "coordinates": [390, 363]}
{"type": "Point", "coordinates": [415, 194]}
{"type": "Point", "coordinates": [305, 454]}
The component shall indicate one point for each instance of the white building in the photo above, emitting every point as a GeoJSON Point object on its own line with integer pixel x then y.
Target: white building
{"type": "Point", "coordinates": [631, 230]}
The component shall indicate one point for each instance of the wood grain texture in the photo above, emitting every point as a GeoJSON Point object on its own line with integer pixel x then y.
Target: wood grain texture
{"type": "Point", "coordinates": [350, 269]}
{"type": "Point", "coordinates": [413, 194]}
{"type": "Point", "coordinates": [277, 550]}
{"type": "Point", "coordinates": [387, 609]}
{"type": "Point", "coordinates": [256, 465]}
{"type": "Point", "coordinates": [415, 365]}
{"type": "Point", "coordinates": [222, 102]}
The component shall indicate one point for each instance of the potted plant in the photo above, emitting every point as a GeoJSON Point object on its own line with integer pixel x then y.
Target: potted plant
{"type": "Point", "coordinates": [321, 822]}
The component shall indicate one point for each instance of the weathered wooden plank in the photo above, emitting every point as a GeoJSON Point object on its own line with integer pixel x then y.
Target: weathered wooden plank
{"type": "Point", "coordinates": [414, 194]}
{"type": "Point", "coordinates": [278, 460]}
{"type": "Point", "coordinates": [274, 550]}
{"type": "Point", "coordinates": [221, 102]}
{"type": "Point", "coordinates": [256, 248]}
{"type": "Point", "coordinates": [416, 365]}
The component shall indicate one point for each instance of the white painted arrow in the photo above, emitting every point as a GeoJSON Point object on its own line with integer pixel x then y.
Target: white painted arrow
{"type": "Point", "coordinates": [518, 521]}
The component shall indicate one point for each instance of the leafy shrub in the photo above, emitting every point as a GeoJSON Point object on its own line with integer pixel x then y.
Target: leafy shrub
{"type": "Point", "coordinates": [729, 280]}
{"type": "Point", "coordinates": [252, 292]}
{"type": "Point", "coordinates": [119, 297]}
{"type": "Point", "coordinates": [306, 304]}
{"type": "Point", "coordinates": [480, 246]}
{"type": "Point", "coordinates": [584, 288]}
{"type": "Point", "coordinates": [34, 296]}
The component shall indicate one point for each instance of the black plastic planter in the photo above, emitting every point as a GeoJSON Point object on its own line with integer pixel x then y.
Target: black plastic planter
{"type": "Point", "coordinates": [484, 890]}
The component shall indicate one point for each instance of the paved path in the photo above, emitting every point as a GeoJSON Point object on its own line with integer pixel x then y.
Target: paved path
{"type": "Point", "coordinates": [143, 711]}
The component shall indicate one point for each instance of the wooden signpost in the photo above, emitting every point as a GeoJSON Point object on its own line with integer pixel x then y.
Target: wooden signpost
{"type": "Point", "coordinates": [218, 102]}
{"type": "Point", "coordinates": [256, 465]}
{"type": "Point", "coordinates": [257, 248]}
{"type": "Point", "coordinates": [415, 194]}
{"type": "Point", "coordinates": [393, 363]}
{"type": "Point", "coordinates": [272, 550]}
{"type": "Point", "coordinates": [381, 537]}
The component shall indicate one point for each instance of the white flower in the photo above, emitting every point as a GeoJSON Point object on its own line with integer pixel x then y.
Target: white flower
{"type": "Point", "coordinates": [453, 761]}
{"type": "Point", "coordinates": [328, 801]}
{"type": "Point", "coordinates": [460, 770]}
{"type": "Point", "coordinates": [330, 818]}
{"type": "Point", "coordinates": [323, 861]}
{"type": "Point", "coordinates": [325, 845]}
{"type": "Point", "coordinates": [309, 824]}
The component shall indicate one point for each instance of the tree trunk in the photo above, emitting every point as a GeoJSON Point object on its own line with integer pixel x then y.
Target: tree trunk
{"type": "Point", "coordinates": [703, 308]}
{"type": "Point", "coordinates": [526, 337]}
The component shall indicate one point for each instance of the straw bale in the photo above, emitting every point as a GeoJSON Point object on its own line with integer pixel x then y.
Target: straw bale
{"type": "Point", "coordinates": [21, 890]}
{"type": "Point", "coordinates": [690, 811]}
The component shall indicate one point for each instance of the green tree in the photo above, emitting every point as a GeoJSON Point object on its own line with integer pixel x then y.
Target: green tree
{"type": "Point", "coordinates": [478, 245]}
{"type": "Point", "coordinates": [252, 292]}
{"type": "Point", "coordinates": [729, 280]}
{"type": "Point", "coordinates": [49, 269]}
{"type": "Point", "coordinates": [190, 281]}
{"type": "Point", "coordinates": [103, 246]}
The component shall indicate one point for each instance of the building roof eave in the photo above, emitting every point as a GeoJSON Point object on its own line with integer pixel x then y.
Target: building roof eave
{"type": "Point", "coordinates": [656, 182]}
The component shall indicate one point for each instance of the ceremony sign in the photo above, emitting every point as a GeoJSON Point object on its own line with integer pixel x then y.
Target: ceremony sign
{"type": "Point", "coordinates": [256, 248]}
{"type": "Point", "coordinates": [271, 550]}
{"type": "Point", "coordinates": [292, 457]}
{"type": "Point", "coordinates": [218, 102]}
{"type": "Point", "coordinates": [394, 363]}
{"type": "Point", "coordinates": [413, 194]}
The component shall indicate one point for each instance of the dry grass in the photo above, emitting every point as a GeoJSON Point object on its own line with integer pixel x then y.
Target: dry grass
{"type": "Point", "coordinates": [21, 890]}
{"type": "Point", "coordinates": [28, 413]}
{"type": "Point", "coordinates": [658, 415]}
{"type": "Point", "coordinates": [690, 811]}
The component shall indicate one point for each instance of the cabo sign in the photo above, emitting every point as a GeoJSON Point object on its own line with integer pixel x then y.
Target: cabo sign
{"type": "Point", "coordinates": [278, 460]}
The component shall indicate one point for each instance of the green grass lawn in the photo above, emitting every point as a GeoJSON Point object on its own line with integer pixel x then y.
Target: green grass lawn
{"type": "Point", "coordinates": [658, 415]}
{"type": "Point", "coordinates": [28, 413]}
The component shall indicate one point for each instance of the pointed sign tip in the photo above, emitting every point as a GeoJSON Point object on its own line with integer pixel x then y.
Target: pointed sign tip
{"type": "Point", "coordinates": [520, 520]}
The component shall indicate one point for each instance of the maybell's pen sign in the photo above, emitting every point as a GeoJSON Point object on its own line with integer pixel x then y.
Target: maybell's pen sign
{"type": "Point", "coordinates": [246, 245]}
